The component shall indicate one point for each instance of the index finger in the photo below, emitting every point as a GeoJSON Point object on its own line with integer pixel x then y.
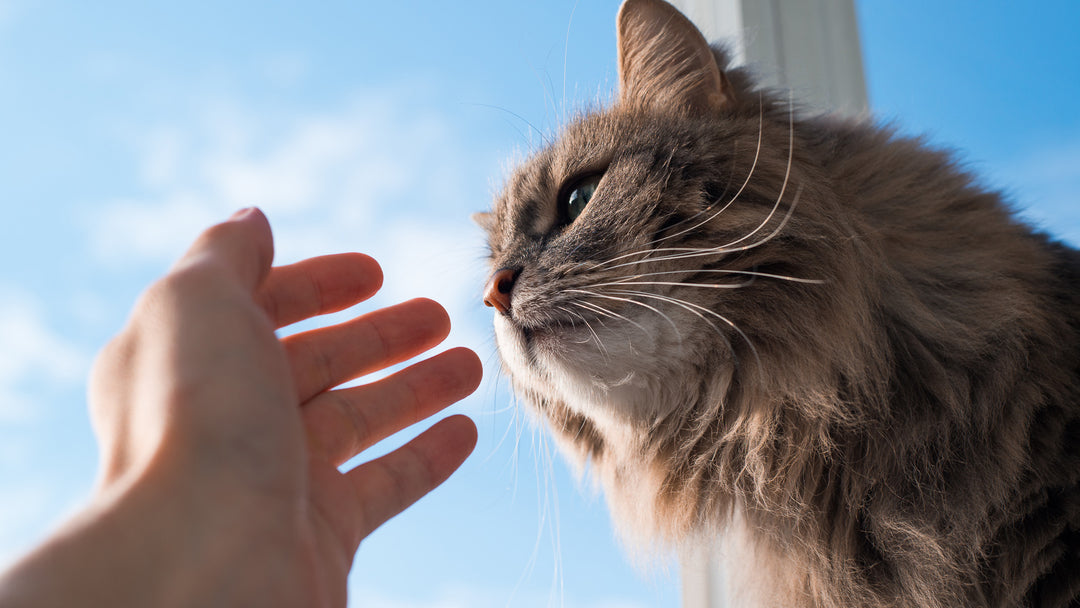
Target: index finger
{"type": "Point", "coordinates": [243, 246]}
{"type": "Point", "coordinates": [318, 286]}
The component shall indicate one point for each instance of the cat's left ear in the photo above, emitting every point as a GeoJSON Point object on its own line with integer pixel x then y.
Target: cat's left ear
{"type": "Point", "coordinates": [665, 62]}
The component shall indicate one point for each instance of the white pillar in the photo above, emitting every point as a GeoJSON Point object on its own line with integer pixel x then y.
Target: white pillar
{"type": "Point", "coordinates": [810, 47]}
{"type": "Point", "coordinates": [702, 587]}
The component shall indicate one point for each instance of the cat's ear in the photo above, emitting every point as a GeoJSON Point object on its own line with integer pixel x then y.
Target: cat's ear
{"type": "Point", "coordinates": [665, 62]}
{"type": "Point", "coordinates": [484, 219]}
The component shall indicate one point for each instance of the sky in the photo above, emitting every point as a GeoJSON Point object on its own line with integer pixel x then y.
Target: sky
{"type": "Point", "coordinates": [126, 127]}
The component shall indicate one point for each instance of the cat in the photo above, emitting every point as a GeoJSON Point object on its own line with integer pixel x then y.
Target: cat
{"type": "Point", "coordinates": [815, 344]}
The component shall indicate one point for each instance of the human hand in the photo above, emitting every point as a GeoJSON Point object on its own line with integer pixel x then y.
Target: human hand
{"type": "Point", "coordinates": [220, 442]}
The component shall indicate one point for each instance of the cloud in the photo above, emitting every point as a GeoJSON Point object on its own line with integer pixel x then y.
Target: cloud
{"type": "Point", "coordinates": [130, 231]}
{"type": "Point", "coordinates": [329, 181]}
{"type": "Point", "coordinates": [32, 355]}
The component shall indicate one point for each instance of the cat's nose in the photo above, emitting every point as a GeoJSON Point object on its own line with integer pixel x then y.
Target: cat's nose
{"type": "Point", "coordinates": [500, 287]}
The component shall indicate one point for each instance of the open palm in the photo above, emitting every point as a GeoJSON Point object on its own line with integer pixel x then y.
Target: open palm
{"type": "Point", "coordinates": [197, 401]}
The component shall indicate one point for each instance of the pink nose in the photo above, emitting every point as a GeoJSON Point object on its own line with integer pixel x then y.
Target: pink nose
{"type": "Point", "coordinates": [499, 288]}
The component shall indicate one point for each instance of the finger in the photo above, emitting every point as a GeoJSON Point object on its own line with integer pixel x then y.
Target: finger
{"type": "Point", "coordinates": [387, 485]}
{"type": "Point", "coordinates": [318, 286]}
{"type": "Point", "coordinates": [243, 246]}
{"type": "Point", "coordinates": [324, 358]}
{"type": "Point", "coordinates": [343, 423]}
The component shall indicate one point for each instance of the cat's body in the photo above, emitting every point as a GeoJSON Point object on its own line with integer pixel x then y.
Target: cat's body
{"type": "Point", "coordinates": [815, 344]}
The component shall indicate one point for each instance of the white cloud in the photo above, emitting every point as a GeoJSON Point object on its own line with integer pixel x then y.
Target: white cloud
{"type": "Point", "coordinates": [329, 182]}
{"type": "Point", "coordinates": [32, 354]}
{"type": "Point", "coordinates": [131, 231]}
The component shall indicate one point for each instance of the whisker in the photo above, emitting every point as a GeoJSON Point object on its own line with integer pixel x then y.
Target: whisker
{"type": "Point", "coordinates": [532, 127]}
{"type": "Point", "coordinates": [690, 306]}
{"type": "Point", "coordinates": [611, 314]}
{"type": "Point", "coordinates": [542, 510]}
{"type": "Point", "coordinates": [643, 252]}
{"type": "Point", "coordinates": [495, 412]}
{"type": "Point", "coordinates": [569, 312]}
{"type": "Point", "coordinates": [753, 166]}
{"type": "Point", "coordinates": [598, 309]}
{"type": "Point", "coordinates": [690, 252]}
{"type": "Point", "coordinates": [751, 273]}
{"type": "Point", "coordinates": [583, 320]}
{"type": "Point", "coordinates": [678, 284]}
{"type": "Point", "coordinates": [614, 314]}
{"type": "Point", "coordinates": [565, 56]}
{"type": "Point", "coordinates": [687, 305]}
{"type": "Point", "coordinates": [518, 434]}
{"type": "Point", "coordinates": [572, 312]}
{"type": "Point", "coordinates": [783, 186]}
{"type": "Point", "coordinates": [627, 319]}
{"type": "Point", "coordinates": [599, 342]}
{"type": "Point", "coordinates": [554, 526]}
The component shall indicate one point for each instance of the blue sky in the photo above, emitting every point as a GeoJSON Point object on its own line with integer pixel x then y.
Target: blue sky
{"type": "Point", "coordinates": [124, 129]}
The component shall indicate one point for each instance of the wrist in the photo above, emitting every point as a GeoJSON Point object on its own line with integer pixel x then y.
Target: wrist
{"type": "Point", "coordinates": [151, 544]}
{"type": "Point", "coordinates": [102, 555]}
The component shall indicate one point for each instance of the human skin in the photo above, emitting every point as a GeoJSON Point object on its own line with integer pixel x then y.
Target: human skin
{"type": "Point", "coordinates": [220, 442]}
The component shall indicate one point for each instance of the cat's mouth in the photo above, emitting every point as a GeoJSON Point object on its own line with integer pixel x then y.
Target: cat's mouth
{"type": "Point", "coordinates": [553, 329]}
{"type": "Point", "coordinates": [553, 333]}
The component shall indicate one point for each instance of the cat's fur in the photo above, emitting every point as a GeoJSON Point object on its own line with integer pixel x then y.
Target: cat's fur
{"type": "Point", "coordinates": [898, 427]}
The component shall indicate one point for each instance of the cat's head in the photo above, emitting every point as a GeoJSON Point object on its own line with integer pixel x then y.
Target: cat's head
{"type": "Point", "coordinates": [666, 253]}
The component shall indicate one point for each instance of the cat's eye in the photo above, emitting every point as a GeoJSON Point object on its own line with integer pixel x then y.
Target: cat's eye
{"type": "Point", "coordinates": [575, 199]}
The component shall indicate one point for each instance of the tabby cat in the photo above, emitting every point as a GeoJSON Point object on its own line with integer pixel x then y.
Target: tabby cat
{"type": "Point", "coordinates": [815, 344]}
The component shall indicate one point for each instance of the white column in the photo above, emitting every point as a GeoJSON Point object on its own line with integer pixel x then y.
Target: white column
{"type": "Point", "coordinates": [702, 585]}
{"type": "Point", "coordinates": [810, 47]}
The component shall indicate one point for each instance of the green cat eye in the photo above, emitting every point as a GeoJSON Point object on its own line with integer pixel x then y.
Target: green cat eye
{"type": "Point", "coordinates": [579, 197]}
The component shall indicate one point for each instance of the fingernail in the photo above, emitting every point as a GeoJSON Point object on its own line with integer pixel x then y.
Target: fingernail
{"type": "Point", "coordinates": [246, 211]}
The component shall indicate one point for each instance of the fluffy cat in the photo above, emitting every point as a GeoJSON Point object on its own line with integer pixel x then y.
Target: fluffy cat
{"type": "Point", "coordinates": [815, 343]}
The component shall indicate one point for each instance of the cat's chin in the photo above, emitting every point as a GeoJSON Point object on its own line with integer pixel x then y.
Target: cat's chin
{"type": "Point", "coordinates": [603, 375]}
{"type": "Point", "coordinates": [551, 350]}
